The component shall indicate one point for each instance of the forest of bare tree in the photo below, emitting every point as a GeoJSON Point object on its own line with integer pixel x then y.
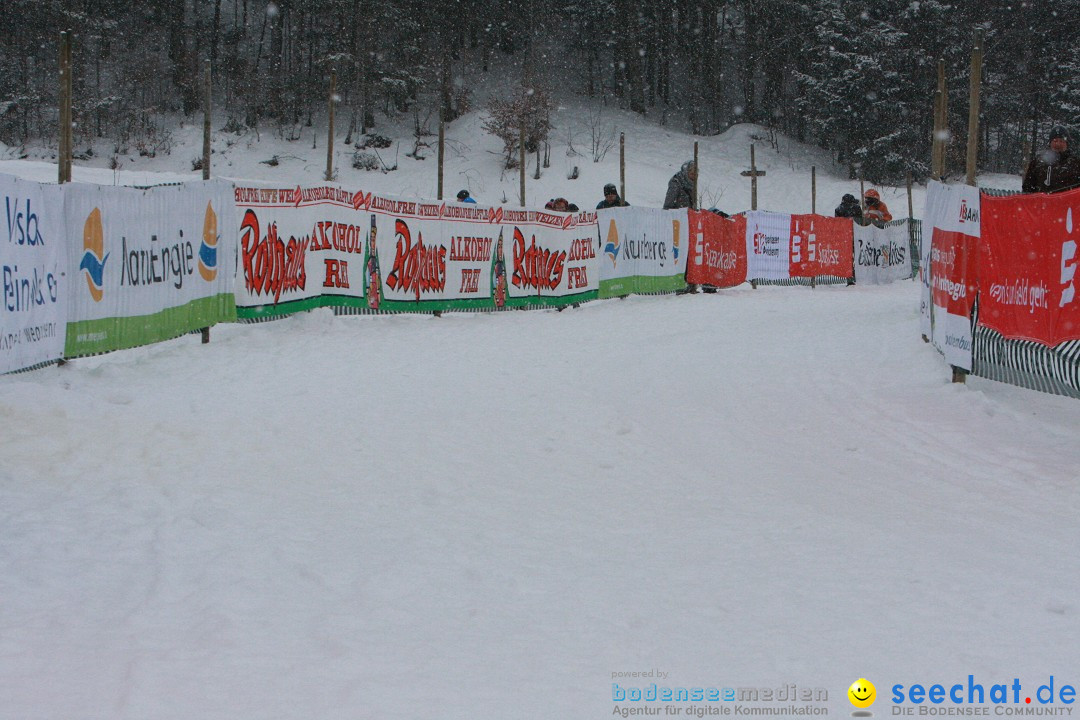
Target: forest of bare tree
{"type": "Point", "coordinates": [854, 77]}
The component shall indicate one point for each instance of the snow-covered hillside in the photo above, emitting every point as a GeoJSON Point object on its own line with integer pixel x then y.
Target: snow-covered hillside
{"type": "Point", "coordinates": [501, 515]}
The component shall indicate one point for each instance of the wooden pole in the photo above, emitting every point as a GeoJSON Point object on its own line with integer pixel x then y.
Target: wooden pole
{"type": "Point", "coordinates": [753, 179]}
{"type": "Point", "coordinates": [622, 166]}
{"type": "Point", "coordinates": [65, 138]}
{"type": "Point", "coordinates": [813, 190]}
{"type": "Point", "coordinates": [697, 174]}
{"type": "Point", "coordinates": [330, 127]}
{"type": "Point", "coordinates": [862, 194]}
{"type": "Point", "coordinates": [943, 121]}
{"type": "Point", "coordinates": [935, 139]}
{"type": "Point", "coordinates": [521, 162]}
{"type": "Point", "coordinates": [973, 108]}
{"type": "Point", "coordinates": [910, 205]}
{"type": "Point", "coordinates": [207, 107]}
{"type": "Point", "coordinates": [442, 155]}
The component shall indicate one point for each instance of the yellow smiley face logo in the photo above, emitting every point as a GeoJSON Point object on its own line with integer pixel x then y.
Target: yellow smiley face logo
{"type": "Point", "coordinates": [862, 693]}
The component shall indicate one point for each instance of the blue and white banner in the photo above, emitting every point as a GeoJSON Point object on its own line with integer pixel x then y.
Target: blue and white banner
{"type": "Point", "coordinates": [34, 307]}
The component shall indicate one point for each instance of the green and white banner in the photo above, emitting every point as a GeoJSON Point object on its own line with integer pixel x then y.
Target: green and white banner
{"type": "Point", "coordinates": [33, 272]}
{"type": "Point", "coordinates": [643, 250]}
{"type": "Point", "coordinates": [149, 265]}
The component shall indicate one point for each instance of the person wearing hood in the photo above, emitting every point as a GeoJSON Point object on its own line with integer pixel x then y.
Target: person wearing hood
{"type": "Point", "coordinates": [1056, 168]}
{"type": "Point", "coordinates": [849, 207]}
{"type": "Point", "coordinates": [611, 198]}
{"type": "Point", "coordinates": [680, 189]}
{"type": "Point", "coordinates": [876, 211]}
{"type": "Point", "coordinates": [464, 197]}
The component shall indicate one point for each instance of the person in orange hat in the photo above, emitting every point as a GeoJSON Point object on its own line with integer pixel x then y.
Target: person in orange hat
{"type": "Point", "coordinates": [876, 211]}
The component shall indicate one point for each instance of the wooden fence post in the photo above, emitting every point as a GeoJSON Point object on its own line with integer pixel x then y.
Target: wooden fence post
{"type": "Point", "coordinates": [442, 156]}
{"type": "Point", "coordinates": [330, 127]}
{"type": "Point", "coordinates": [973, 108]}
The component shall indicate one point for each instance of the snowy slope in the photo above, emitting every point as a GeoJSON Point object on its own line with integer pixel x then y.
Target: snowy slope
{"type": "Point", "coordinates": [487, 516]}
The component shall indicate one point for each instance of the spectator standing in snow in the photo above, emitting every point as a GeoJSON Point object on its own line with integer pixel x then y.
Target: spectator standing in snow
{"type": "Point", "coordinates": [876, 211]}
{"type": "Point", "coordinates": [1055, 169]}
{"type": "Point", "coordinates": [849, 207]}
{"type": "Point", "coordinates": [611, 198]}
{"type": "Point", "coordinates": [464, 196]}
{"type": "Point", "coordinates": [680, 189]}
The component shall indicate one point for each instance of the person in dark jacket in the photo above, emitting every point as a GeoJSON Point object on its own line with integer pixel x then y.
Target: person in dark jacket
{"type": "Point", "coordinates": [611, 198]}
{"type": "Point", "coordinates": [849, 207]}
{"type": "Point", "coordinates": [680, 189]}
{"type": "Point", "coordinates": [1056, 168]}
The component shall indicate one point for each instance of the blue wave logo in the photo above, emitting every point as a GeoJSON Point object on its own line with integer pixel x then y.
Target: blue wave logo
{"type": "Point", "coordinates": [208, 248]}
{"type": "Point", "coordinates": [94, 255]}
{"type": "Point", "coordinates": [611, 247]}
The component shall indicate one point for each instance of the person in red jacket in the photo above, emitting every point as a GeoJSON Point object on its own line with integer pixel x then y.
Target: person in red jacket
{"type": "Point", "coordinates": [876, 211]}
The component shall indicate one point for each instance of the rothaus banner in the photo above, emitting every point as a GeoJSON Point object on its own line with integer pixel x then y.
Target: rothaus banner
{"type": "Point", "coordinates": [33, 265]}
{"type": "Point", "coordinates": [952, 213]}
{"type": "Point", "coordinates": [718, 250]}
{"type": "Point", "coordinates": [882, 254]}
{"type": "Point", "coordinates": [299, 248]}
{"type": "Point", "coordinates": [1027, 269]}
{"type": "Point", "coordinates": [446, 256]}
{"type": "Point", "coordinates": [149, 265]}
{"type": "Point", "coordinates": [643, 250]}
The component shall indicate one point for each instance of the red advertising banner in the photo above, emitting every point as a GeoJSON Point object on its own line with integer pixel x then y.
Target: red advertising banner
{"type": "Point", "coordinates": [821, 246]}
{"type": "Point", "coordinates": [718, 250]}
{"type": "Point", "coordinates": [1027, 277]}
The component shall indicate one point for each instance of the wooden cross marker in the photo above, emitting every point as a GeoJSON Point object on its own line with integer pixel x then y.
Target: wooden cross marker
{"type": "Point", "coordinates": [753, 173]}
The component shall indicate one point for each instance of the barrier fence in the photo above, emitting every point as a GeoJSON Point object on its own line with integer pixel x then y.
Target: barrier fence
{"type": "Point", "coordinates": [90, 269]}
{"type": "Point", "coordinates": [999, 285]}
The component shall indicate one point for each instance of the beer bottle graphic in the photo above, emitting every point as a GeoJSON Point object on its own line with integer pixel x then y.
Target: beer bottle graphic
{"type": "Point", "coordinates": [498, 274]}
{"type": "Point", "coordinates": [371, 265]}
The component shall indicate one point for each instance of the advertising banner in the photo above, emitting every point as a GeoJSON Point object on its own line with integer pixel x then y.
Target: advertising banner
{"type": "Point", "coordinates": [643, 250]}
{"type": "Point", "coordinates": [718, 254]}
{"type": "Point", "coordinates": [299, 248]}
{"type": "Point", "coordinates": [820, 246]}
{"type": "Point", "coordinates": [1027, 271]}
{"type": "Point", "coordinates": [552, 258]}
{"type": "Point", "coordinates": [149, 264]}
{"type": "Point", "coordinates": [882, 254]}
{"type": "Point", "coordinates": [768, 245]}
{"type": "Point", "coordinates": [33, 266]}
{"type": "Point", "coordinates": [952, 214]}
{"type": "Point", "coordinates": [434, 255]}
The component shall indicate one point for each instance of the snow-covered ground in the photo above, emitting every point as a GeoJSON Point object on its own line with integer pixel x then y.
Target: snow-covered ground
{"type": "Point", "coordinates": [496, 515]}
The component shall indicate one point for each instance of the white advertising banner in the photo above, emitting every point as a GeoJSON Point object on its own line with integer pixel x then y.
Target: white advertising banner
{"type": "Point", "coordinates": [33, 266]}
{"type": "Point", "coordinates": [952, 216]}
{"type": "Point", "coordinates": [149, 264]}
{"type": "Point", "coordinates": [643, 250]}
{"type": "Point", "coordinates": [768, 245]}
{"type": "Point", "coordinates": [299, 248]}
{"type": "Point", "coordinates": [882, 254]}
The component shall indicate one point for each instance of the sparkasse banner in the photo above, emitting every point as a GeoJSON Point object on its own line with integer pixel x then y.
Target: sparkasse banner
{"type": "Point", "coordinates": [952, 214]}
{"type": "Point", "coordinates": [1028, 260]}
{"type": "Point", "coordinates": [151, 264]}
{"type": "Point", "coordinates": [33, 272]}
{"type": "Point", "coordinates": [718, 250]}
